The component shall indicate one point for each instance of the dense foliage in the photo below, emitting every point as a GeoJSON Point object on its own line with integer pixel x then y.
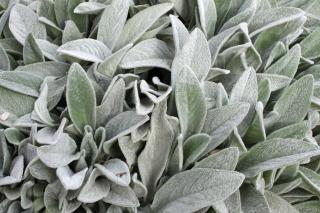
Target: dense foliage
{"type": "Point", "coordinates": [162, 106]}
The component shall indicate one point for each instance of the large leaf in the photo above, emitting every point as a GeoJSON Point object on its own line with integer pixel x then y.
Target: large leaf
{"type": "Point", "coordinates": [225, 159]}
{"type": "Point", "coordinates": [153, 159]}
{"type": "Point", "coordinates": [112, 22]}
{"type": "Point", "coordinates": [86, 49]}
{"type": "Point", "coordinates": [21, 82]}
{"type": "Point", "coordinates": [208, 16]}
{"type": "Point", "coordinates": [246, 90]}
{"type": "Point", "coordinates": [140, 23]}
{"type": "Point", "coordinates": [81, 99]}
{"type": "Point", "coordinates": [148, 53]}
{"type": "Point", "coordinates": [221, 121]}
{"type": "Point", "coordinates": [294, 102]}
{"type": "Point", "coordinates": [275, 153]}
{"type": "Point", "coordinates": [192, 190]}
{"type": "Point", "coordinates": [24, 21]}
{"type": "Point", "coordinates": [190, 102]}
{"type": "Point", "coordinates": [267, 19]}
{"type": "Point", "coordinates": [195, 54]}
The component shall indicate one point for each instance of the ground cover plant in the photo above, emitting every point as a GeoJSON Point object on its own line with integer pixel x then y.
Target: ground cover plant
{"type": "Point", "coordinates": [169, 106]}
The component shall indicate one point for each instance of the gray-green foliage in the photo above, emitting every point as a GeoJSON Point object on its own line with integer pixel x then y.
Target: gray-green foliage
{"type": "Point", "coordinates": [147, 106]}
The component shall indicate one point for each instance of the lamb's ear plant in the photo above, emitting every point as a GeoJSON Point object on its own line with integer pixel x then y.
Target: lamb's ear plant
{"type": "Point", "coordinates": [159, 106]}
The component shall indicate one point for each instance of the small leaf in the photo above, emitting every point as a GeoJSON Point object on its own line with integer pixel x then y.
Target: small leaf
{"type": "Point", "coordinates": [276, 81]}
{"type": "Point", "coordinates": [109, 66]}
{"type": "Point", "coordinates": [21, 82]}
{"type": "Point", "coordinates": [24, 21]}
{"type": "Point", "coordinates": [311, 180]}
{"type": "Point", "coordinates": [121, 196]}
{"type": "Point", "coordinates": [14, 105]}
{"type": "Point", "coordinates": [225, 159]}
{"type": "Point", "coordinates": [112, 103]}
{"type": "Point", "coordinates": [190, 101]}
{"type": "Point", "coordinates": [310, 44]}
{"type": "Point", "coordinates": [81, 98]}
{"type": "Point", "coordinates": [26, 198]}
{"type": "Point", "coordinates": [180, 33]}
{"type": "Point", "coordinates": [89, 8]}
{"type": "Point", "coordinates": [69, 179]}
{"type": "Point", "coordinates": [51, 196]}
{"type": "Point", "coordinates": [278, 204]}
{"type": "Point", "coordinates": [192, 190]}
{"type": "Point", "coordinates": [4, 61]}
{"type": "Point", "coordinates": [129, 149]}
{"type": "Point", "coordinates": [194, 147]}
{"type": "Point", "coordinates": [45, 69]}
{"type": "Point", "coordinates": [140, 23]}
{"type": "Point", "coordinates": [296, 131]}
{"type": "Point", "coordinates": [41, 108]}
{"type": "Point", "coordinates": [123, 124]}
{"type": "Point", "coordinates": [252, 200]}
{"type": "Point", "coordinates": [217, 42]}
{"type": "Point", "coordinates": [116, 171]}
{"type": "Point", "coordinates": [95, 189]}
{"type": "Point", "coordinates": [273, 154]}
{"type": "Point", "coordinates": [16, 172]}
{"type": "Point", "coordinates": [80, 20]}
{"type": "Point", "coordinates": [49, 50]}
{"type": "Point", "coordinates": [49, 135]}
{"type": "Point", "coordinates": [86, 49]}
{"type": "Point", "coordinates": [288, 64]}
{"type": "Point", "coordinates": [13, 135]}
{"type": "Point", "coordinates": [71, 32]}
{"type": "Point", "coordinates": [40, 171]}
{"type": "Point", "coordinates": [31, 51]}
{"type": "Point", "coordinates": [60, 154]}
